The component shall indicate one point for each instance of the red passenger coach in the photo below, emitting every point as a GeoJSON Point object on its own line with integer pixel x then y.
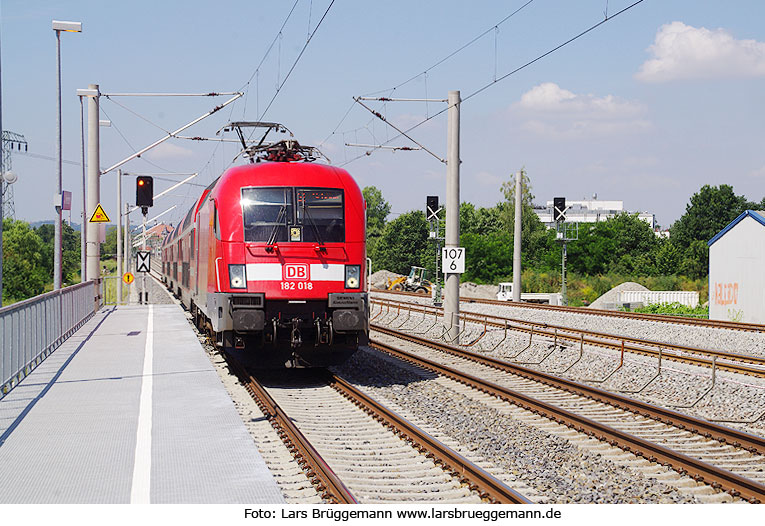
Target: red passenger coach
{"type": "Point", "coordinates": [272, 260]}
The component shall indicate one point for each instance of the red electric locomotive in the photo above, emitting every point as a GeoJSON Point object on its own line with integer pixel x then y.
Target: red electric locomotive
{"type": "Point", "coordinates": [272, 259]}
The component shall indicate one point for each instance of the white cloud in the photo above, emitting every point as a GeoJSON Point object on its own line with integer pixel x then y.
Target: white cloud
{"type": "Point", "coordinates": [550, 97]}
{"type": "Point", "coordinates": [685, 52]}
{"type": "Point", "coordinates": [758, 173]}
{"type": "Point", "coordinates": [167, 151]}
{"type": "Point", "coordinates": [553, 111]}
{"type": "Point", "coordinates": [488, 179]}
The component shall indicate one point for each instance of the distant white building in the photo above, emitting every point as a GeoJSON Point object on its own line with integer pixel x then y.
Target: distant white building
{"type": "Point", "coordinates": [737, 270]}
{"type": "Point", "coordinates": [591, 211]}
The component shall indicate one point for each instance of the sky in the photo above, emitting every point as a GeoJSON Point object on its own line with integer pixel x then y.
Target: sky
{"type": "Point", "coordinates": [646, 108]}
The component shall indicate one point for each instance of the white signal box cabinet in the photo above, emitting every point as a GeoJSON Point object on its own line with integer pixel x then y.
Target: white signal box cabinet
{"type": "Point", "coordinates": [737, 270]}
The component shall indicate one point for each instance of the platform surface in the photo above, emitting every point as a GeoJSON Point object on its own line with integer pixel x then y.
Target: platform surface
{"type": "Point", "coordinates": [128, 410]}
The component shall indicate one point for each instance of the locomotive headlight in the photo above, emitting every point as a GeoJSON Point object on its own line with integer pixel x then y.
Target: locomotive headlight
{"type": "Point", "coordinates": [352, 276]}
{"type": "Point", "coordinates": [237, 277]}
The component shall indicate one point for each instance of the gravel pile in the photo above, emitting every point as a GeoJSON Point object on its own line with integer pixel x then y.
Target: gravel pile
{"type": "Point", "coordinates": [471, 290]}
{"type": "Point", "coordinates": [552, 466]}
{"type": "Point", "coordinates": [612, 295]}
{"type": "Point", "coordinates": [379, 279]}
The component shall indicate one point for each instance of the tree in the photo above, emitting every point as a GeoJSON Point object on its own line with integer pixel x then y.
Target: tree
{"type": "Point", "coordinates": [480, 220]}
{"type": "Point", "coordinates": [404, 243]}
{"type": "Point", "coordinates": [70, 247]}
{"type": "Point", "coordinates": [377, 212]}
{"type": "Point", "coordinates": [709, 211]}
{"type": "Point", "coordinates": [70, 262]}
{"type": "Point", "coordinates": [488, 257]}
{"type": "Point", "coordinates": [508, 189]}
{"type": "Point", "coordinates": [623, 243]}
{"type": "Point", "coordinates": [537, 243]}
{"type": "Point", "coordinates": [24, 271]}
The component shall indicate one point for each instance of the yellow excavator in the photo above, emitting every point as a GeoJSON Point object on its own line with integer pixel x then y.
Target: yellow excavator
{"type": "Point", "coordinates": [417, 281]}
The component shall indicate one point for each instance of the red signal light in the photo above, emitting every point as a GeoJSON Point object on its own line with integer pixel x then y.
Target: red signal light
{"type": "Point", "coordinates": [144, 191]}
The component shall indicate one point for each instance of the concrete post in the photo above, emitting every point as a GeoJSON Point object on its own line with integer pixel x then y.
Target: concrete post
{"type": "Point", "coordinates": [452, 281]}
{"type": "Point", "coordinates": [57, 226]}
{"type": "Point", "coordinates": [119, 236]}
{"type": "Point", "coordinates": [84, 222]}
{"type": "Point", "coordinates": [517, 238]}
{"type": "Point", "coordinates": [94, 186]}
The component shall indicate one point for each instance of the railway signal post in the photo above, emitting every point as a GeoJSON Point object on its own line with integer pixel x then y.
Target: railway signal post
{"type": "Point", "coordinates": [144, 197]}
{"type": "Point", "coordinates": [565, 232]}
{"type": "Point", "coordinates": [432, 211]}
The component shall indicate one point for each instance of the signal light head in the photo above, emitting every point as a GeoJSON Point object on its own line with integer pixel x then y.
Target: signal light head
{"type": "Point", "coordinates": [144, 191]}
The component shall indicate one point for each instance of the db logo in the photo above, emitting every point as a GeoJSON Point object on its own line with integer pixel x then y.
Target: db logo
{"type": "Point", "coordinates": [296, 271]}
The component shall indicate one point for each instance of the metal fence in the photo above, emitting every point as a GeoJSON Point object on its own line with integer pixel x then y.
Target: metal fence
{"type": "Point", "coordinates": [32, 329]}
{"type": "Point", "coordinates": [109, 286]}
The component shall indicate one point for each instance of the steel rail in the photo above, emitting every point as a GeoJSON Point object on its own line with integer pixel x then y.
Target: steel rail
{"type": "Point", "coordinates": [318, 471]}
{"type": "Point", "coordinates": [680, 320]}
{"type": "Point", "coordinates": [638, 345]}
{"type": "Point", "coordinates": [701, 471]}
{"type": "Point", "coordinates": [469, 473]}
{"type": "Point", "coordinates": [734, 437]}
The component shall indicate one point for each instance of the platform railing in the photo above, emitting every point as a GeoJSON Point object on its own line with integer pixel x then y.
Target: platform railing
{"type": "Point", "coordinates": [109, 286]}
{"type": "Point", "coordinates": [32, 329]}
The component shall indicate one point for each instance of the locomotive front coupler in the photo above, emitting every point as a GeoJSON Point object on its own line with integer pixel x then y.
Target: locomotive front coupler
{"type": "Point", "coordinates": [296, 339]}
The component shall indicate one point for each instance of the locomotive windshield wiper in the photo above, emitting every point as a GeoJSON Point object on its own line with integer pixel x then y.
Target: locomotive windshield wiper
{"type": "Point", "coordinates": [277, 224]}
{"type": "Point", "coordinates": [313, 224]}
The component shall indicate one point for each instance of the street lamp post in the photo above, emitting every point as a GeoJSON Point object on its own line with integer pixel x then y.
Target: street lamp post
{"type": "Point", "coordinates": [58, 27]}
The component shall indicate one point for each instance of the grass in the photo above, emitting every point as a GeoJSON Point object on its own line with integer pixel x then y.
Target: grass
{"type": "Point", "coordinates": [675, 309]}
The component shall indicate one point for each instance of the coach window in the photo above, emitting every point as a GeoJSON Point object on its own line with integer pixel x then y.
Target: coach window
{"type": "Point", "coordinates": [216, 226]}
{"type": "Point", "coordinates": [266, 212]}
{"type": "Point", "coordinates": [320, 212]}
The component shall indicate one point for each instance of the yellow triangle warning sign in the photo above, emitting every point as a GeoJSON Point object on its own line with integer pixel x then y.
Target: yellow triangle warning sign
{"type": "Point", "coordinates": [99, 216]}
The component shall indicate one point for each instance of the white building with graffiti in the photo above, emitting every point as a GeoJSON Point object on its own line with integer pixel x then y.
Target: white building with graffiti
{"type": "Point", "coordinates": [737, 270]}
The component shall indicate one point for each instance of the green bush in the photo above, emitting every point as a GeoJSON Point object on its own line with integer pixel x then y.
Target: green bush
{"type": "Point", "coordinates": [675, 309]}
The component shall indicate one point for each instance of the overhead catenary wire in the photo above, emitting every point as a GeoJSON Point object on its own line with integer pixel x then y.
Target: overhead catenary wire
{"type": "Point", "coordinates": [255, 74]}
{"type": "Point", "coordinates": [382, 118]}
{"type": "Point", "coordinates": [392, 90]}
{"type": "Point", "coordinates": [283, 82]}
{"type": "Point", "coordinates": [500, 79]}
{"type": "Point", "coordinates": [132, 148]}
{"type": "Point", "coordinates": [295, 63]}
{"type": "Point", "coordinates": [459, 49]}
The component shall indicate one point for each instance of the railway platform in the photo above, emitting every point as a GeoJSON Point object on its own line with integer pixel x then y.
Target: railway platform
{"type": "Point", "coordinates": [128, 410]}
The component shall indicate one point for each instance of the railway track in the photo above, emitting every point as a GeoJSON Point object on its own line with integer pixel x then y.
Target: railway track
{"type": "Point", "coordinates": [680, 320]}
{"type": "Point", "coordinates": [723, 360]}
{"type": "Point", "coordinates": [723, 458]}
{"type": "Point", "coordinates": [354, 450]}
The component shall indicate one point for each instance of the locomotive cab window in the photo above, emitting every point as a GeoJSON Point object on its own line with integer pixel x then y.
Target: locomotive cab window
{"type": "Point", "coordinates": [320, 211]}
{"type": "Point", "coordinates": [316, 215]}
{"type": "Point", "coordinates": [266, 213]}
